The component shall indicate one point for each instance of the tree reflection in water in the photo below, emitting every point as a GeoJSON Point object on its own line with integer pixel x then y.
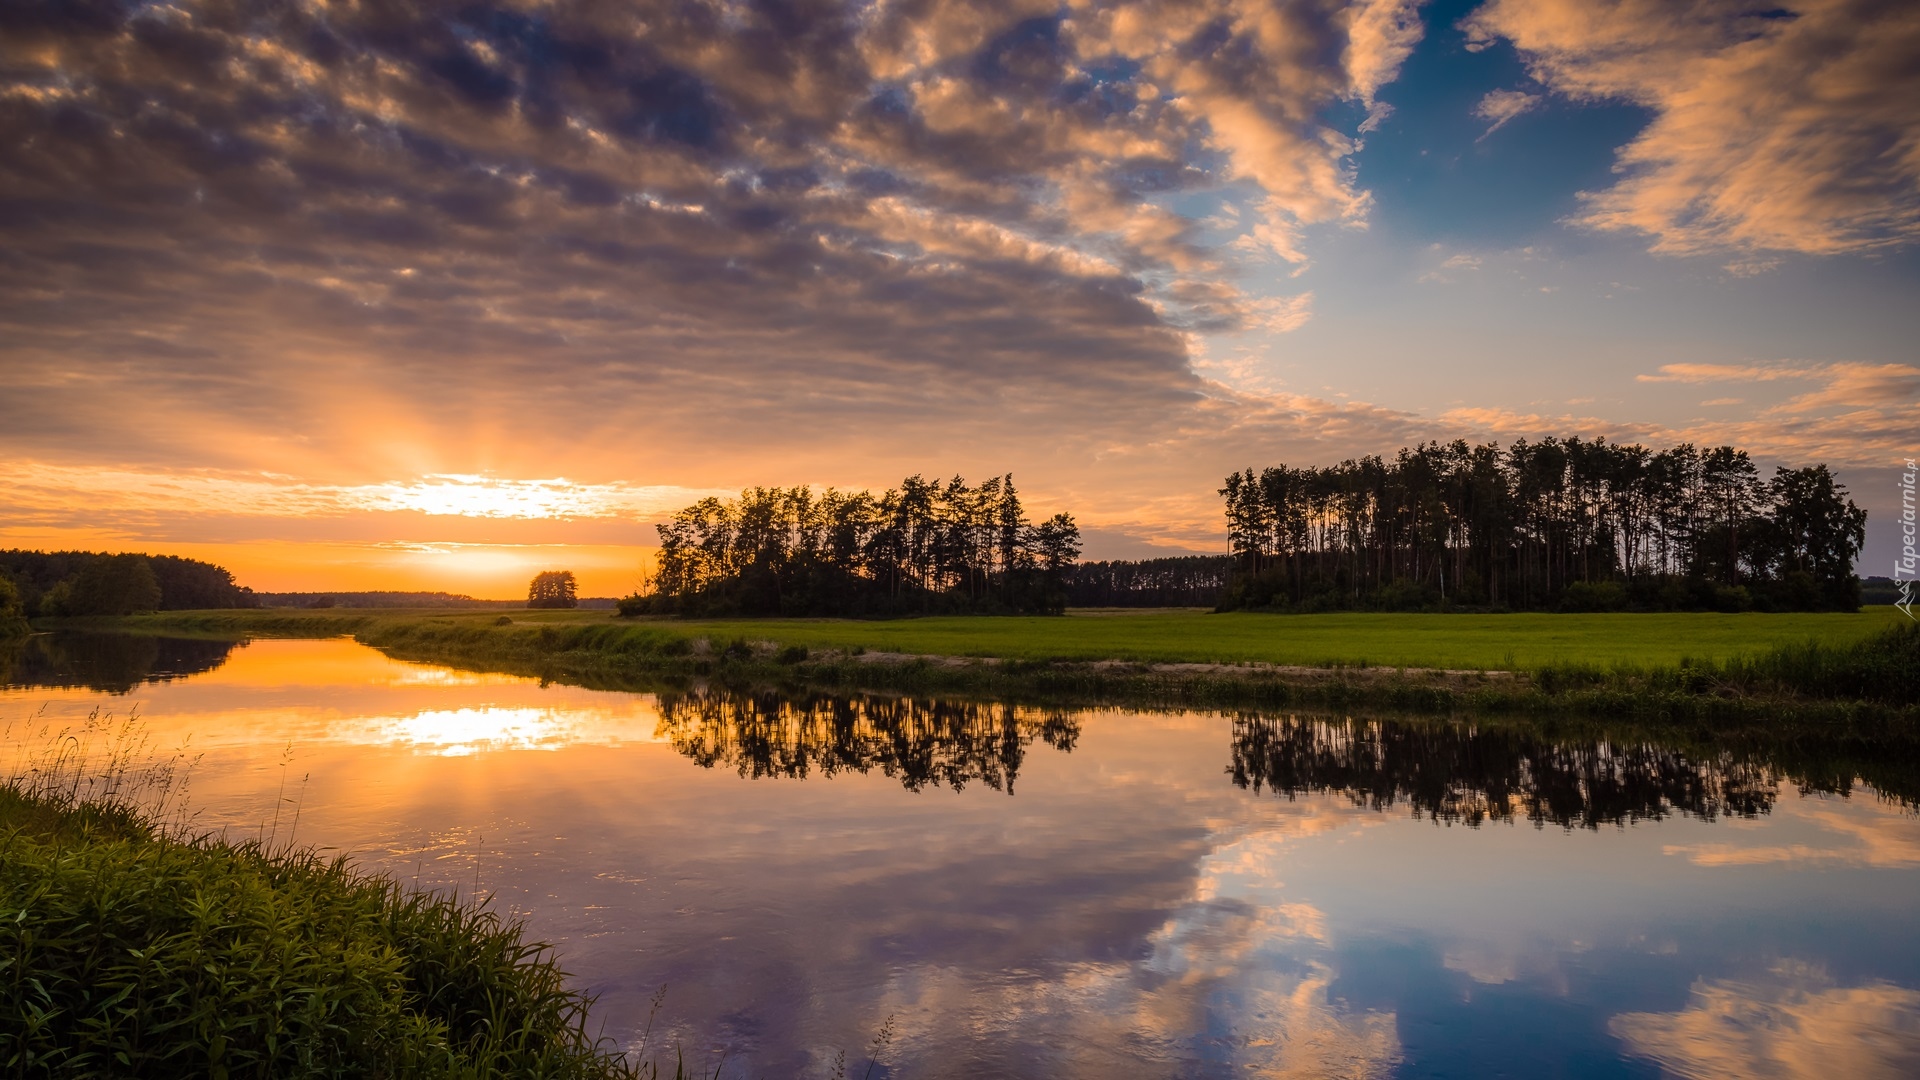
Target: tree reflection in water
{"type": "Point", "coordinates": [1473, 775]}
{"type": "Point", "coordinates": [109, 663]}
{"type": "Point", "coordinates": [919, 743]}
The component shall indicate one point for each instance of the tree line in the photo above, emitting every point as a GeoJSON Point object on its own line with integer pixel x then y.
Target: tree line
{"type": "Point", "coordinates": [63, 583]}
{"type": "Point", "coordinates": [1560, 523]}
{"type": "Point", "coordinates": [1174, 581]}
{"type": "Point", "coordinates": [924, 547]}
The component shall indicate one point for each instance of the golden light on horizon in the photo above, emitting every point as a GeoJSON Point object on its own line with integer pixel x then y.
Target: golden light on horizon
{"type": "Point", "coordinates": [472, 533]}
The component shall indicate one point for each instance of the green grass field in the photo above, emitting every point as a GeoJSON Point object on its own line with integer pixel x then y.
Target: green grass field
{"type": "Point", "coordinates": [1522, 641]}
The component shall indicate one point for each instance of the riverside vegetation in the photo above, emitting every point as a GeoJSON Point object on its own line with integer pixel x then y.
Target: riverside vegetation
{"type": "Point", "coordinates": [131, 946]}
{"type": "Point", "coordinates": [1673, 667]}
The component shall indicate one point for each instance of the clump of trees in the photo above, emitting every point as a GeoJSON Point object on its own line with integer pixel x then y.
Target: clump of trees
{"type": "Point", "coordinates": [60, 583]}
{"type": "Point", "coordinates": [1566, 524]}
{"type": "Point", "coordinates": [553, 589]}
{"type": "Point", "coordinates": [925, 547]}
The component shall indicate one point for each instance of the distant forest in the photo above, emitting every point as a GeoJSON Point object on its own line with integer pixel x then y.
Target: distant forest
{"type": "Point", "coordinates": [925, 547]}
{"type": "Point", "coordinates": [54, 583]}
{"type": "Point", "coordinates": [1176, 581]}
{"type": "Point", "coordinates": [1563, 524]}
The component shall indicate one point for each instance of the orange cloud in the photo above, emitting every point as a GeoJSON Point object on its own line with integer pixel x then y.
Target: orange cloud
{"type": "Point", "coordinates": [1794, 130]}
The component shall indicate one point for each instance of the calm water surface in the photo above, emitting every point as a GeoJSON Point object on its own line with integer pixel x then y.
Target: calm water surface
{"type": "Point", "coordinates": [1074, 894]}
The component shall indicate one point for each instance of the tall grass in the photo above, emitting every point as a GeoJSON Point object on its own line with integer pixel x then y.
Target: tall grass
{"type": "Point", "coordinates": [131, 947]}
{"type": "Point", "coordinates": [1884, 667]}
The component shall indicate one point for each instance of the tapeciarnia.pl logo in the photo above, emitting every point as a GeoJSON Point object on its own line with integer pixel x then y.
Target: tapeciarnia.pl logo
{"type": "Point", "coordinates": [1903, 567]}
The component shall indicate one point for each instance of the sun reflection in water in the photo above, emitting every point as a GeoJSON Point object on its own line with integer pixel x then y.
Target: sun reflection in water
{"type": "Point", "coordinates": [458, 732]}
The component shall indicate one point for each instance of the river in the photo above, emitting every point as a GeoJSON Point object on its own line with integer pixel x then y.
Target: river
{"type": "Point", "coordinates": [966, 890]}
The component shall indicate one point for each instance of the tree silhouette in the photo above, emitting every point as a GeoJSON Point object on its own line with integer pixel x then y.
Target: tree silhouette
{"type": "Point", "coordinates": [925, 547]}
{"type": "Point", "coordinates": [553, 589]}
{"type": "Point", "coordinates": [1560, 523]}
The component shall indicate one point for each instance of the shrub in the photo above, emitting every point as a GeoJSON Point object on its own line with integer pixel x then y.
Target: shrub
{"type": "Point", "coordinates": [1594, 596]}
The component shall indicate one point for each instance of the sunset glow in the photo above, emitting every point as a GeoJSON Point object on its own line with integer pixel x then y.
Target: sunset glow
{"type": "Point", "coordinates": [423, 298]}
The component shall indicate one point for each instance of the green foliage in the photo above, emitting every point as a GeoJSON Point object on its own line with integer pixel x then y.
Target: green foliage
{"type": "Point", "coordinates": [125, 952]}
{"type": "Point", "coordinates": [55, 602]}
{"type": "Point", "coordinates": [13, 619]}
{"type": "Point", "coordinates": [185, 584]}
{"type": "Point", "coordinates": [1594, 596]}
{"type": "Point", "coordinates": [114, 585]}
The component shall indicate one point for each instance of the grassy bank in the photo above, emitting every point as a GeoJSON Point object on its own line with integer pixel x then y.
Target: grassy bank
{"type": "Point", "coordinates": [1518, 642]}
{"type": "Point", "coordinates": [126, 950]}
{"type": "Point", "coordinates": [1844, 667]}
{"type": "Point", "coordinates": [1351, 639]}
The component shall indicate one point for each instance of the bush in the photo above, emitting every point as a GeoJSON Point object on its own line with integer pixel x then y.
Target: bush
{"type": "Point", "coordinates": [1732, 599]}
{"type": "Point", "coordinates": [1594, 596]}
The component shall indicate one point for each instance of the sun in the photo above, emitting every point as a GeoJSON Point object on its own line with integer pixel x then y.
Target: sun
{"type": "Point", "coordinates": [464, 495]}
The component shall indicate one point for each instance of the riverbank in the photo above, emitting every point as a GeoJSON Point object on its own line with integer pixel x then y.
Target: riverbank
{"type": "Point", "coordinates": [1862, 668]}
{"type": "Point", "coordinates": [130, 949]}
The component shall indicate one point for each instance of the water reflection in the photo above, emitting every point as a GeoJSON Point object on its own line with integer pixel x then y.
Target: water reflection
{"type": "Point", "coordinates": [1463, 774]}
{"type": "Point", "coordinates": [1133, 911]}
{"type": "Point", "coordinates": [920, 743]}
{"type": "Point", "coordinates": [1795, 1025]}
{"type": "Point", "coordinates": [109, 663]}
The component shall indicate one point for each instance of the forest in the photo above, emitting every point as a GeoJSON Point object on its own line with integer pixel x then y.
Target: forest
{"type": "Point", "coordinates": [925, 547]}
{"type": "Point", "coordinates": [1559, 524]}
{"type": "Point", "coordinates": [1174, 581]}
{"type": "Point", "coordinates": [57, 583]}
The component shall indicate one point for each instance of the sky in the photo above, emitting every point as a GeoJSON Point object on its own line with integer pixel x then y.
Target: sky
{"type": "Point", "coordinates": [433, 296]}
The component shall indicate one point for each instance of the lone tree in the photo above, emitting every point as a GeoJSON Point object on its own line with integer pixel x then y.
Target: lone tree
{"type": "Point", "coordinates": [553, 589]}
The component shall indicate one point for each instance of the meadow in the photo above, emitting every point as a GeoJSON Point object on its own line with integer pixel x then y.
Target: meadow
{"type": "Point", "coordinates": [1349, 639]}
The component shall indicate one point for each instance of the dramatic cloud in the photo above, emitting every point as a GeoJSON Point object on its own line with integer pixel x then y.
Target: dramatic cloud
{"type": "Point", "coordinates": [361, 241]}
{"type": "Point", "coordinates": [1792, 128]}
{"type": "Point", "coordinates": [383, 249]}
